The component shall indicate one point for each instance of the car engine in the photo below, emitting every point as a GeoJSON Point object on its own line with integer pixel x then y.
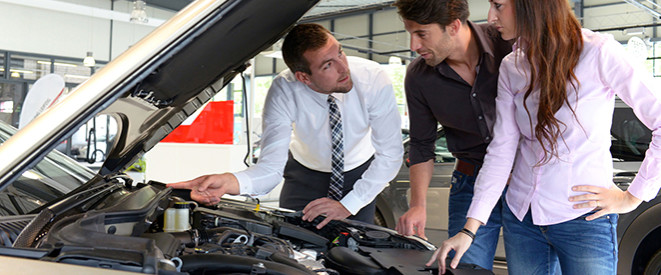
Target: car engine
{"type": "Point", "coordinates": [121, 226]}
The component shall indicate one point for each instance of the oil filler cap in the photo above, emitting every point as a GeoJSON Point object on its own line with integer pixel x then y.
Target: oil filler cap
{"type": "Point", "coordinates": [377, 235]}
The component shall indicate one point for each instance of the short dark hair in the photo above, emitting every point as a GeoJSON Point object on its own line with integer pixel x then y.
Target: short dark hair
{"type": "Point", "coordinates": [426, 12]}
{"type": "Point", "coordinates": [300, 39]}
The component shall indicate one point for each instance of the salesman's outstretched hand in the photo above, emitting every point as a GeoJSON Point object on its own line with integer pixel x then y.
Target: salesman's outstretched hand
{"type": "Point", "coordinates": [333, 210]}
{"type": "Point", "coordinates": [208, 189]}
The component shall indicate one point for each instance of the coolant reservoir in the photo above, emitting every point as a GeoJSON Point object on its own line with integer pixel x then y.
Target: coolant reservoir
{"type": "Point", "coordinates": [177, 218]}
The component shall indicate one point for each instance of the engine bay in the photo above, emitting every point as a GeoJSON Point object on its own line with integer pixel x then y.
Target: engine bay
{"type": "Point", "coordinates": [121, 226]}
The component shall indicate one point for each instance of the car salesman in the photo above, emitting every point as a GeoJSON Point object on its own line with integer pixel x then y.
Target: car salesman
{"type": "Point", "coordinates": [331, 128]}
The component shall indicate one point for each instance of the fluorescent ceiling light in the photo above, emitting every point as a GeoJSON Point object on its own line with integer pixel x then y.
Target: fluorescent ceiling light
{"type": "Point", "coordinates": [76, 76]}
{"type": "Point", "coordinates": [634, 31]}
{"type": "Point", "coordinates": [21, 71]}
{"type": "Point", "coordinates": [65, 64]}
{"type": "Point", "coordinates": [57, 63]}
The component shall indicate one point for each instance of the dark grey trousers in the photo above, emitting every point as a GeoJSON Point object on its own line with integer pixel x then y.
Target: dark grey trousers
{"type": "Point", "coordinates": [303, 185]}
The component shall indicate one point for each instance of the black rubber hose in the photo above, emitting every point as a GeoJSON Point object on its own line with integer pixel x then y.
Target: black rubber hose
{"type": "Point", "coordinates": [207, 263]}
{"type": "Point", "coordinates": [29, 234]}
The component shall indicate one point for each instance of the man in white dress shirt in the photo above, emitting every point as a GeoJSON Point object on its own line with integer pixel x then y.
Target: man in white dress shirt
{"type": "Point", "coordinates": [298, 102]}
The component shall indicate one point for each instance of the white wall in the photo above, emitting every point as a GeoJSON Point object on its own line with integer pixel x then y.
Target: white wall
{"type": "Point", "coordinates": [51, 32]}
{"type": "Point", "coordinates": [170, 162]}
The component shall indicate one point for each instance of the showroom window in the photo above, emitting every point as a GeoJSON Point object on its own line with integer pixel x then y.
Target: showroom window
{"type": "Point", "coordinates": [10, 94]}
{"type": "Point", "coordinates": [262, 85]}
{"type": "Point", "coordinates": [29, 68]}
{"type": "Point", "coordinates": [18, 73]}
{"type": "Point", "coordinates": [72, 72]}
{"type": "Point", "coordinates": [655, 59]}
{"type": "Point", "coordinates": [33, 68]}
{"type": "Point", "coordinates": [2, 65]}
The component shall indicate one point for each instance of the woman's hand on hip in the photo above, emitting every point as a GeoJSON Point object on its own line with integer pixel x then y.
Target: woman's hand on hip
{"type": "Point", "coordinates": [604, 200]}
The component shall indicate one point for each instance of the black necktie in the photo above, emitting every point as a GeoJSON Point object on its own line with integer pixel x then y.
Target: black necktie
{"type": "Point", "coordinates": [337, 159]}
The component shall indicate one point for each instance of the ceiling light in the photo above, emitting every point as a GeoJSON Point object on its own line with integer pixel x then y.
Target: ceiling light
{"type": "Point", "coordinates": [65, 64]}
{"type": "Point", "coordinates": [139, 13]}
{"type": "Point", "coordinates": [76, 76]}
{"type": "Point", "coordinates": [634, 31]}
{"type": "Point", "coordinates": [57, 63]}
{"type": "Point", "coordinates": [21, 71]}
{"type": "Point", "coordinates": [89, 60]}
{"type": "Point", "coordinates": [15, 74]}
{"type": "Point", "coordinates": [394, 60]}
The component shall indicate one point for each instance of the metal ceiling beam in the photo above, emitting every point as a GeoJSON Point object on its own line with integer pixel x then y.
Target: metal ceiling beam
{"type": "Point", "coordinates": [173, 5]}
{"type": "Point", "coordinates": [646, 5]}
{"type": "Point", "coordinates": [312, 16]}
{"type": "Point", "coordinates": [622, 28]}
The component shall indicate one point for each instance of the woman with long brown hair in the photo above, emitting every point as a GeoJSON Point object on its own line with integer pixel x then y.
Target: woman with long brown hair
{"type": "Point", "coordinates": [556, 95]}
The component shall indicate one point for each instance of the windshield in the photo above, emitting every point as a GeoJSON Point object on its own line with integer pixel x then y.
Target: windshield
{"type": "Point", "coordinates": [629, 137]}
{"type": "Point", "coordinates": [50, 179]}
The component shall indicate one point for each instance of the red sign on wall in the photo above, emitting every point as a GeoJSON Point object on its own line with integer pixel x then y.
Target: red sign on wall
{"type": "Point", "coordinates": [214, 125]}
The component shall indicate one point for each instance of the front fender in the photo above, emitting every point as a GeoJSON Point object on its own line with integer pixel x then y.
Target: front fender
{"type": "Point", "coordinates": [386, 210]}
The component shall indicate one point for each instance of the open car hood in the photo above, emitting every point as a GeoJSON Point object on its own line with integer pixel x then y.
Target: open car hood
{"type": "Point", "coordinates": [116, 225]}
{"type": "Point", "coordinates": [160, 81]}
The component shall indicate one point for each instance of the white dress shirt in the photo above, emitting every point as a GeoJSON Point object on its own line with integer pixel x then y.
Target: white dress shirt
{"type": "Point", "coordinates": [295, 119]}
{"type": "Point", "coordinates": [604, 70]}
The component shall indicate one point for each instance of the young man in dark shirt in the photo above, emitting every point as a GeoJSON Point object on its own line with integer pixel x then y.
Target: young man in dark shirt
{"type": "Point", "coordinates": [453, 82]}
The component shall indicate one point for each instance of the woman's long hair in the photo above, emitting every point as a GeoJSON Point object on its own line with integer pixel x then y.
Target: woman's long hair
{"type": "Point", "coordinates": [553, 44]}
